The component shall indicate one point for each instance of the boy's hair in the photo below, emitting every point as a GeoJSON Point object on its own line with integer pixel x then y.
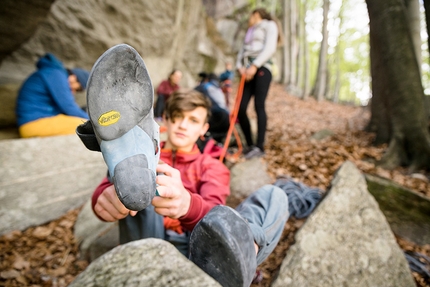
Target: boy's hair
{"type": "Point", "coordinates": [180, 102]}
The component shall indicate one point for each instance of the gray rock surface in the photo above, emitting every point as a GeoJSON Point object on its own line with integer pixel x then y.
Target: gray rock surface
{"type": "Point", "coordinates": [248, 176]}
{"type": "Point", "coordinates": [167, 34]}
{"type": "Point", "coordinates": [18, 21]}
{"type": "Point", "coordinates": [147, 262]}
{"type": "Point", "coordinates": [43, 178]}
{"type": "Point", "coordinates": [346, 241]}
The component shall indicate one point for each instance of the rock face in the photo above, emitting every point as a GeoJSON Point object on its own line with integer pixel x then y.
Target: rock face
{"type": "Point", "coordinates": [166, 33]}
{"type": "Point", "coordinates": [148, 262]}
{"type": "Point", "coordinates": [18, 22]}
{"type": "Point", "coordinates": [345, 242]}
{"type": "Point", "coordinates": [43, 178]}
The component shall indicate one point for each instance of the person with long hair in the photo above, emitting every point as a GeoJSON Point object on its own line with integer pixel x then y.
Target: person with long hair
{"type": "Point", "coordinates": [165, 90]}
{"type": "Point", "coordinates": [254, 61]}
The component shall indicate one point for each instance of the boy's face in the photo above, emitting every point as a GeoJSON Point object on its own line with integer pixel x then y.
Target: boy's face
{"type": "Point", "coordinates": [184, 130]}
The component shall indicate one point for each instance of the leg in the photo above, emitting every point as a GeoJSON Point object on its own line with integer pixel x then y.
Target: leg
{"type": "Point", "coordinates": [266, 212]}
{"type": "Point", "coordinates": [263, 77]}
{"type": "Point", "coordinates": [146, 224]}
{"type": "Point", "coordinates": [159, 106]}
{"type": "Point", "coordinates": [242, 116]}
{"type": "Point", "coordinates": [51, 126]}
{"type": "Point", "coordinates": [222, 245]}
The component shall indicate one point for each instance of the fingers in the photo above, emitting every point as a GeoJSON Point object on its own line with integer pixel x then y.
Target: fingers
{"type": "Point", "coordinates": [109, 207]}
{"type": "Point", "coordinates": [168, 170]}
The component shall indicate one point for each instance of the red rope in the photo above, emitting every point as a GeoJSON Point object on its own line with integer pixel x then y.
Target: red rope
{"type": "Point", "coordinates": [233, 118]}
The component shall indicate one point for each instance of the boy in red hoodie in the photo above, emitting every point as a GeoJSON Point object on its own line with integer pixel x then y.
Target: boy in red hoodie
{"type": "Point", "coordinates": [188, 208]}
{"type": "Point", "coordinates": [192, 183]}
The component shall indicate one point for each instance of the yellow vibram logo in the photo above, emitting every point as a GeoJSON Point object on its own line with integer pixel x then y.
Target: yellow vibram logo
{"type": "Point", "coordinates": [109, 118]}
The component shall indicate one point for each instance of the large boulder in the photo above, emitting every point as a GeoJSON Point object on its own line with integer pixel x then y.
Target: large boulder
{"type": "Point", "coordinates": [346, 241]}
{"type": "Point", "coordinates": [148, 262]}
{"type": "Point", "coordinates": [41, 179]}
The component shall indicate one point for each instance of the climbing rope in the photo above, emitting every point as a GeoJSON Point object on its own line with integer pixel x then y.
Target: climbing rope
{"type": "Point", "coordinates": [302, 199]}
{"type": "Point", "coordinates": [232, 128]}
{"type": "Point", "coordinates": [418, 263]}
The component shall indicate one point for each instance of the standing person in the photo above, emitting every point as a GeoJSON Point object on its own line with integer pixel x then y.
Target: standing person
{"type": "Point", "coordinates": [165, 90]}
{"type": "Point", "coordinates": [46, 105]}
{"type": "Point", "coordinates": [254, 62]}
{"type": "Point", "coordinates": [189, 208]}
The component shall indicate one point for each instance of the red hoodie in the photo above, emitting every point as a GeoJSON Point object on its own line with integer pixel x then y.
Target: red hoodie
{"type": "Point", "coordinates": [206, 178]}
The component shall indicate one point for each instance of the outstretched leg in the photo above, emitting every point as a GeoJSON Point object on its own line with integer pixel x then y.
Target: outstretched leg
{"type": "Point", "coordinates": [222, 243]}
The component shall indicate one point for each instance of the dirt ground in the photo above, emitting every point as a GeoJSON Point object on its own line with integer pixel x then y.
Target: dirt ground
{"type": "Point", "coordinates": [48, 255]}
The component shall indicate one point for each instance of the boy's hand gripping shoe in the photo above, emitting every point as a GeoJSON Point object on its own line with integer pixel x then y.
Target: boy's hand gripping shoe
{"type": "Point", "coordinates": [120, 98]}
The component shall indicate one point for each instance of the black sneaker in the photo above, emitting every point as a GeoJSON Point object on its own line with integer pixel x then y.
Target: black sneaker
{"type": "Point", "coordinates": [120, 99]}
{"type": "Point", "coordinates": [222, 245]}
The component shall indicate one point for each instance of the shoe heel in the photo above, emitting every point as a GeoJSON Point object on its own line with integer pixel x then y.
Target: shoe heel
{"type": "Point", "coordinates": [135, 186]}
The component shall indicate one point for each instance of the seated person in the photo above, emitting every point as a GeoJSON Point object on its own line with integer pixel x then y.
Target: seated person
{"type": "Point", "coordinates": [187, 189]}
{"type": "Point", "coordinates": [46, 105]}
{"type": "Point", "coordinates": [220, 119]}
{"type": "Point", "coordinates": [165, 90]}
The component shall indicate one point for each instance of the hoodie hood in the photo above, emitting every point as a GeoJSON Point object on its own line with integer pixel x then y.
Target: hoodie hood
{"type": "Point", "coordinates": [50, 61]}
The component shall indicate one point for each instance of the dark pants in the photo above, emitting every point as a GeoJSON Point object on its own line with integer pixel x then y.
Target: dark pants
{"type": "Point", "coordinates": [219, 124]}
{"type": "Point", "coordinates": [257, 87]}
{"type": "Point", "coordinates": [159, 106]}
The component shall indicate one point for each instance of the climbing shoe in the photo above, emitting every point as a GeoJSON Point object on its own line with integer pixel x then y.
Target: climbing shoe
{"type": "Point", "coordinates": [222, 245]}
{"type": "Point", "coordinates": [120, 99]}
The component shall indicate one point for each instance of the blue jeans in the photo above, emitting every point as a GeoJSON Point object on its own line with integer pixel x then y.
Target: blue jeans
{"type": "Point", "coordinates": [266, 211]}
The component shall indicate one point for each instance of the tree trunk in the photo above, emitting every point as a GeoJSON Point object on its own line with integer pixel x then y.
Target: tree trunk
{"type": "Point", "coordinates": [320, 82]}
{"type": "Point", "coordinates": [338, 56]}
{"type": "Point", "coordinates": [413, 16]}
{"type": "Point", "coordinates": [286, 67]}
{"type": "Point", "coordinates": [427, 14]}
{"type": "Point", "coordinates": [300, 40]}
{"type": "Point", "coordinates": [306, 78]}
{"type": "Point", "coordinates": [404, 100]}
{"type": "Point", "coordinates": [293, 44]}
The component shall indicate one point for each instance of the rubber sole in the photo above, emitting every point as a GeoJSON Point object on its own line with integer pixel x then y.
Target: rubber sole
{"type": "Point", "coordinates": [222, 245]}
{"type": "Point", "coordinates": [120, 100]}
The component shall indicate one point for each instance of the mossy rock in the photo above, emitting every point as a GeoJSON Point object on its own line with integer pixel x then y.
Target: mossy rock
{"type": "Point", "coordinates": [407, 212]}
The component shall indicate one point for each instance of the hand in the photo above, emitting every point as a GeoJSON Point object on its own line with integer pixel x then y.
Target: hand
{"type": "Point", "coordinates": [250, 72]}
{"type": "Point", "coordinates": [174, 200]}
{"type": "Point", "coordinates": [109, 207]}
{"type": "Point", "coordinates": [241, 71]}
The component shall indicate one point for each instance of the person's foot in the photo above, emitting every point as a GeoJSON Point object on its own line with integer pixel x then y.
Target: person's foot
{"type": "Point", "coordinates": [120, 99]}
{"type": "Point", "coordinates": [254, 152]}
{"type": "Point", "coordinates": [222, 245]}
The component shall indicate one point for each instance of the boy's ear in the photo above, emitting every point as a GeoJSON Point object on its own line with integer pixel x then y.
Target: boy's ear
{"type": "Point", "coordinates": [204, 129]}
